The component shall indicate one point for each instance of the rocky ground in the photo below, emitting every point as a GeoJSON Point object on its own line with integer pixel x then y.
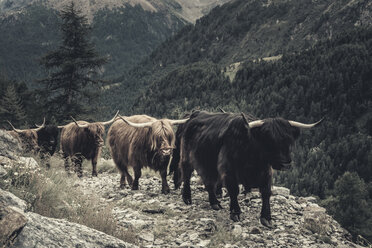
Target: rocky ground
{"type": "Point", "coordinates": [152, 219]}
{"type": "Point", "coordinates": [165, 221]}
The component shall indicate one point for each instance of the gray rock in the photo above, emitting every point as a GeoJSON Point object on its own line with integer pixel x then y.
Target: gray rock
{"type": "Point", "coordinates": [11, 223]}
{"type": "Point", "coordinates": [237, 230]}
{"type": "Point", "coordinates": [9, 146]}
{"type": "Point", "coordinates": [149, 237]}
{"type": "Point", "coordinates": [280, 191]}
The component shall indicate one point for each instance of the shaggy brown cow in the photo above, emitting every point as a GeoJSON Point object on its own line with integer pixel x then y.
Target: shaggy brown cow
{"type": "Point", "coordinates": [28, 138]}
{"type": "Point", "coordinates": [140, 141]}
{"type": "Point", "coordinates": [83, 139]}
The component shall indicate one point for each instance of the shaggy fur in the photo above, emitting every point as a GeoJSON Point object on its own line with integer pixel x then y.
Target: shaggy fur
{"type": "Point", "coordinates": [78, 143]}
{"type": "Point", "coordinates": [141, 147]}
{"type": "Point", "coordinates": [224, 150]}
{"type": "Point", "coordinates": [27, 138]}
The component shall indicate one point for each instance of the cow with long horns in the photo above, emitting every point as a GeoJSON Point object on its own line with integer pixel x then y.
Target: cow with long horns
{"type": "Point", "coordinates": [81, 139]}
{"type": "Point", "coordinates": [42, 140]}
{"type": "Point", "coordinates": [142, 141]}
{"type": "Point", "coordinates": [233, 149]}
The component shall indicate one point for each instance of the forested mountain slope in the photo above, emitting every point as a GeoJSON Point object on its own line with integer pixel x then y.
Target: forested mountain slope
{"type": "Point", "coordinates": [332, 80]}
{"type": "Point", "coordinates": [241, 31]}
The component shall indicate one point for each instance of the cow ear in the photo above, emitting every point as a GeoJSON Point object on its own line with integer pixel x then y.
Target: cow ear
{"type": "Point", "coordinates": [246, 122]}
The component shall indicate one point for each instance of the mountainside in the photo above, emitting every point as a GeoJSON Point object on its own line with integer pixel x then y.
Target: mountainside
{"type": "Point", "coordinates": [241, 31]}
{"type": "Point", "coordinates": [126, 31]}
{"type": "Point", "coordinates": [52, 201]}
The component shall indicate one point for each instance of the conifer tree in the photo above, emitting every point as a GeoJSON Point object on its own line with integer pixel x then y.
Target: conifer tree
{"type": "Point", "coordinates": [11, 107]}
{"type": "Point", "coordinates": [73, 68]}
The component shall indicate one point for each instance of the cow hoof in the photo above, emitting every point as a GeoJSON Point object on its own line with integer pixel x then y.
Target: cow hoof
{"type": "Point", "coordinates": [94, 174]}
{"type": "Point", "coordinates": [122, 186]}
{"type": "Point", "coordinates": [266, 222]}
{"type": "Point", "coordinates": [235, 217]}
{"type": "Point", "coordinates": [165, 191]}
{"type": "Point", "coordinates": [216, 206]}
{"type": "Point", "coordinates": [187, 201]}
{"type": "Point", "coordinates": [135, 187]}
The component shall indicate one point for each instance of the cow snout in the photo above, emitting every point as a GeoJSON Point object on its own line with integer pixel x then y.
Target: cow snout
{"type": "Point", "coordinates": [166, 152]}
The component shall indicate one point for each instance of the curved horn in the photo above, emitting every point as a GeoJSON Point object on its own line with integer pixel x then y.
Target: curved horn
{"type": "Point", "coordinates": [302, 125]}
{"type": "Point", "coordinates": [39, 127]}
{"type": "Point", "coordinates": [223, 111]}
{"type": "Point", "coordinates": [79, 125]}
{"type": "Point", "coordinates": [177, 122]}
{"type": "Point", "coordinates": [145, 124]}
{"type": "Point", "coordinates": [16, 130]}
{"type": "Point", "coordinates": [60, 126]}
{"type": "Point", "coordinates": [112, 120]}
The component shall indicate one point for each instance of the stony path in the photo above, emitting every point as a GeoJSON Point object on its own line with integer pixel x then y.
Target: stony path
{"type": "Point", "coordinates": [158, 220]}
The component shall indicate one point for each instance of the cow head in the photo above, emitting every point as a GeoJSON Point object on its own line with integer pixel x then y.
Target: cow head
{"type": "Point", "coordinates": [47, 138]}
{"type": "Point", "coordinates": [95, 130]}
{"type": "Point", "coordinates": [28, 137]}
{"type": "Point", "coordinates": [274, 137]}
{"type": "Point", "coordinates": [161, 137]}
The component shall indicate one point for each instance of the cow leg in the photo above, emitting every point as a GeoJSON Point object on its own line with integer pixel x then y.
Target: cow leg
{"type": "Point", "coordinates": [94, 166]}
{"type": "Point", "coordinates": [67, 164]}
{"type": "Point", "coordinates": [78, 160]}
{"type": "Point", "coordinates": [265, 218]}
{"type": "Point", "coordinates": [186, 191]}
{"type": "Point", "coordinates": [219, 190]}
{"type": "Point", "coordinates": [164, 184]}
{"type": "Point", "coordinates": [137, 175]}
{"type": "Point", "coordinates": [233, 190]}
{"type": "Point", "coordinates": [215, 204]}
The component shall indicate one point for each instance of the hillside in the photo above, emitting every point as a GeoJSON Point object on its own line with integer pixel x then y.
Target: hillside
{"type": "Point", "coordinates": [51, 202]}
{"type": "Point", "coordinates": [241, 31]}
{"type": "Point", "coordinates": [331, 80]}
{"type": "Point", "coordinates": [126, 31]}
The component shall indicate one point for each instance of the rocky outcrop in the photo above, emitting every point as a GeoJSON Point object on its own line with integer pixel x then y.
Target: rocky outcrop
{"type": "Point", "coordinates": [27, 229]}
{"type": "Point", "coordinates": [165, 221]}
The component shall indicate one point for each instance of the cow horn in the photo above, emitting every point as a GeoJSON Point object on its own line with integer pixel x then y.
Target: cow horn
{"type": "Point", "coordinates": [223, 111]}
{"type": "Point", "coordinates": [16, 130]}
{"type": "Point", "coordinates": [302, 125]}
{"type": "Point", "coordinates": [79, 125]}
{"type": "Point", "coordinates": [40, 127]}
{"type": "Point", "coordinates": [252, 124]}
{"type": "Point", "coordinates": [178, 122]}
{"type": "Point", "coordinates": [110, 121]}
{"type": "Point", "coordinates": [145, 124]}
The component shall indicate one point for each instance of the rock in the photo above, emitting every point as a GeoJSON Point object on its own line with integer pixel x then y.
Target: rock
{"type": "Point", "coordinates": [193, 236]}
{"type": "Point", "coordinates": [29, 162]}
{"type": "Point", "coordinates": [237, 230]}
{"type": "Point", "coordinates": [280, 191]}
{"type": "Point", "coordinates": [149, 237]}
{"type": "Point", "coordinates": [11, 223]}
{"type": "Point", "coordinates": [9, 146]}
{"type": "Point", "coordinates": [203, 243]}
{"type": "Point", "coordinates": [255, 230]}
{"type": "Point", "coordinates": [41, 231]}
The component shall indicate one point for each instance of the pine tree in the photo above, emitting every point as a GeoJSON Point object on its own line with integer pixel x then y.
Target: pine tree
{"type": "Point", "coordinates": [11, 107]}
{"type": "Point", "coordinates": [72, 67]}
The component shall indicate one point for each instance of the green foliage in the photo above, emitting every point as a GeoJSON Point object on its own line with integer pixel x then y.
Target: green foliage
{"type": "Point", "coordinates": [73, 67]}
{"type": "Point", "coordinates": [351, 205]}
{"type": "Point", "coordinates": [11, 107]}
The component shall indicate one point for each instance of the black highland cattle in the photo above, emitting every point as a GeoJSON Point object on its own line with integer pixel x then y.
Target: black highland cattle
{"type": "Point", "coordinates": [231, 149]}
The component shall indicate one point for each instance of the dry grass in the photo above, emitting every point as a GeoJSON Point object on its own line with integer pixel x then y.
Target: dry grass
{"type": "Point", "coordinates": [52, 193]}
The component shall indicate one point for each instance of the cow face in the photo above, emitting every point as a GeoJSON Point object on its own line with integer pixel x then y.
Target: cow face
{"type": "Point", "coordinates": [275, 137]}
{"type": "Point", "coordinates": [95, 132]}
{"type": "Point", "coordinates": [47, 138]}
{"type": "Point", "coordinates": [162, 139]}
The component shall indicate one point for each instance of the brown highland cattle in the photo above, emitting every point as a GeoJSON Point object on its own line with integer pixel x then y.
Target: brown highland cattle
{"type": "Point", "coordinates": [81, 139]}
{"type": "Point", "coordinates": [142, 141]}
{"type": "Point", "coordinates": [27, 137]}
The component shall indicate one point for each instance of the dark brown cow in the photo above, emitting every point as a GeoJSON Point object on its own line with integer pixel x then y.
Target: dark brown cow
{"type": "Point", "coordinates": [81, 139]}
{"type": "Point", "coordinates": [139, 141]}
{"type": "Point", "coordinates": [233, 149]}
{"type": "Point", "coordinates": [26, 137]}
